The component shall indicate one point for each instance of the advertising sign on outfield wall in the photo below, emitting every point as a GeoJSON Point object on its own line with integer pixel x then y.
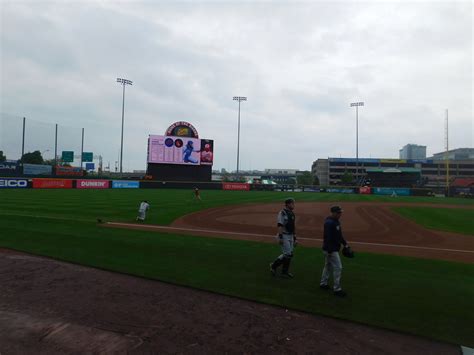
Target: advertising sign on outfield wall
{"type": "Point", "coordinates": [92, 184]}
{"type": "Point", "coordinates": [36, 169]}
{"type": "Point", "coordinates": [13, 183]}
{"type": "Point", "coordinates": [68, 171]}
{"type": "Point", "coordinates": [312, 189]}
{"type": "Point", "coordinates": [236, 186]}
{"type": "Point", "coordinates": [365, 190]}
{"type": "Point", "coordinates": [52, 184]}
{"type": "Point", "coordinates": [463, 191]}
{"type": "Point", "coordinates": [8, 168]}
{"type": "Point", "coordinates": [391, 191]}
{"type": "Point", "coordinates": [340, 190]}
{"type": "Point", "coordinates": [119, 184]}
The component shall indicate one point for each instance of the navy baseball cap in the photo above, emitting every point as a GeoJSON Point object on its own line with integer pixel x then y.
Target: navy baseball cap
{"type": "Point", "coordinates": [289, 200]}
{"type": "Point", "coordinates": [336, 209]}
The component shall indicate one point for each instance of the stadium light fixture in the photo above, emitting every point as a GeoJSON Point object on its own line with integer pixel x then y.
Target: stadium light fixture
{"type": "Point", "coordinates": [239, 99]}
{"type": "Point", "coordinates": [356, 105]}
{"type": "Point", "coordinates": [123, 82]}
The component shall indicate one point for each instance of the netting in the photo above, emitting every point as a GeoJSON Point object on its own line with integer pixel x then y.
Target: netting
{"type": "Point", "coordinates": [39, 136]}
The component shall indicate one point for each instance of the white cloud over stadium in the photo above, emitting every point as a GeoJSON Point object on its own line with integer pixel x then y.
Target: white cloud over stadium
{"type": "Point", "coordinates": [300, 65]}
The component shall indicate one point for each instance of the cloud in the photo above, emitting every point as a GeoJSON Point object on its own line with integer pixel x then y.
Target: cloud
{"type": "Point", "coordinates": [299, 64]}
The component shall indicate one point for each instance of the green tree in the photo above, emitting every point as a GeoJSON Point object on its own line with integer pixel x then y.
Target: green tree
{"type": "Point", "coordinates": [240, 178]}
{"type": "Point", "coordinates": [347, 178]}
{"type": "Point", "coordinates": [315, 180]}
{"type": "Point", "coordinates": [2, 156]}
{"type": "Point", "coordinates": [305, 178]}
{"type": "Point", "coordinates": [32, 158]}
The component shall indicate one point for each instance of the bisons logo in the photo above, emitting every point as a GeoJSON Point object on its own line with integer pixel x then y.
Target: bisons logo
{"type": "Point", "coordinates": [182, 129]}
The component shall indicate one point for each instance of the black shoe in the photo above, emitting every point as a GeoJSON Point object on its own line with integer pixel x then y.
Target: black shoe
{"type": "Point", "coordinates": [324, 287]}
{"type": "Point", "coordinates": [287, 275]}
{"type": "Point", "coordinates": [340, 293]}
{"type": "Point", "coordinates": [272, 270]}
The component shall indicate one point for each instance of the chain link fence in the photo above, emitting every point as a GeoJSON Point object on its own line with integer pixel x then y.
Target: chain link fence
{"type": "Point", "coordinates": [52, 144]}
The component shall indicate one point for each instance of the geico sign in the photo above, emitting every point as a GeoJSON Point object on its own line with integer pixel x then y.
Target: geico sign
{"type": "Point", "coordinates": [13, 183]}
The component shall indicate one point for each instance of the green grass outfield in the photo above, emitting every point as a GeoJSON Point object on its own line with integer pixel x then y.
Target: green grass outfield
{"type": "Point", "coordinates": [166, 205]}
{"type": "Point", "coordinates": [445, 219]}
{"type": "Point", "coordinates": [424, 297]}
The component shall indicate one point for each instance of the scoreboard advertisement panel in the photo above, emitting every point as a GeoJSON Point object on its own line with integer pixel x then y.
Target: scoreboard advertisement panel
{"type": "Point", "coordinates": [180, 150]}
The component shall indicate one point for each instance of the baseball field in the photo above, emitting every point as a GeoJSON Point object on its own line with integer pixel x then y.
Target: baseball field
{"type": "Point", "coordinates": [413, 271]}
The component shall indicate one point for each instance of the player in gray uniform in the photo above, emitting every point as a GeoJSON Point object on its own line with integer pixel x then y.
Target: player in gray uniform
{"type": "Point", "coordinates": [144, 207]}
{"type": "Point", "coordinates": [286, 238]}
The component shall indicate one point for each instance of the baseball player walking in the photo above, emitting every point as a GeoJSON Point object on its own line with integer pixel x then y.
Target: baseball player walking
{"type": "Point", "coordinates": [331, 245]}
{"type": "Point", "coordinates": [286, 238]}
{"type": "Point", "coordinates": [144, 207]}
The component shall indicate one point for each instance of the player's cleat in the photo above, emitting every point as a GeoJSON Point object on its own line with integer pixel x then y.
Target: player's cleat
{"type": "Point", "coordinates": [324, 287]}
{"type": "Point", "coordinates": [287, 275]}
{"type": "Point", "coordinates": [340, 293]}
{"type": "Point", "coordinates": [272, 270]}
{"type": "Point", "coordinates": [99, 220]}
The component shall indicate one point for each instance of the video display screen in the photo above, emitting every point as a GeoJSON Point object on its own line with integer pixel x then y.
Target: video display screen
{"type": "Point", "coordinates": [180, 150]}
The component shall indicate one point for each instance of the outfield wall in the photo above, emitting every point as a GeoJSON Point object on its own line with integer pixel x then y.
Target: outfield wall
{"type": "Point", "coordinates": [58, 183]}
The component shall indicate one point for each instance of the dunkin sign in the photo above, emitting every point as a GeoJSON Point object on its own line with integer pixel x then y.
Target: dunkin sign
{"type": "Point", "coordinates": [92, 184]}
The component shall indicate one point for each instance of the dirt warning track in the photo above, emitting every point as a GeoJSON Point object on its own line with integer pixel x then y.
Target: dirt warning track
{"type": "Point", "coordinates": [52, 307]}
{"type": "Point", "coordinates": [371, 227]}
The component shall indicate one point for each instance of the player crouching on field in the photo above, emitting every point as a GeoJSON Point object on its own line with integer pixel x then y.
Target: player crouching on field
{"type": "Point", "coordinates": [144, 206]}
{"type": "Point", "coordinates": [286, 238]}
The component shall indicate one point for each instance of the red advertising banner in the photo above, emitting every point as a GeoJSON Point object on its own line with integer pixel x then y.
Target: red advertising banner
{"type": "Point", "coordinates": [68, 171]}
{"type": "Point", "coordinates": [92, 184]}
{"type": "Point", "coordinates": [52, 184]}
{"type": "Point", "coordinates": [236, 186]}
{"type": "Point", "coordinates": [365, 190]}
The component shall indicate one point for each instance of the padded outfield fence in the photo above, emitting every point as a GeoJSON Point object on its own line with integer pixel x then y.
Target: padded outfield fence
{"type": "Point", "coordinates": [58, 183]}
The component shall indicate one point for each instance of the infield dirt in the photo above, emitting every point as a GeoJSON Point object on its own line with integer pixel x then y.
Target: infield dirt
{"type": "Point", "coordinates": [370, 227]}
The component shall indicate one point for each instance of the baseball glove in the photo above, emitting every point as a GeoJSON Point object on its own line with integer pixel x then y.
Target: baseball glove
{"type": "Point", "coordinates": [347, 252]}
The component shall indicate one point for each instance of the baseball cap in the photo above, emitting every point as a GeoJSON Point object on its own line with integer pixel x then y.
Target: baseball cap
{"type": "Point", "coordinates": [289, 200]}
{"type": "Point", "coordinates": [336, 209]}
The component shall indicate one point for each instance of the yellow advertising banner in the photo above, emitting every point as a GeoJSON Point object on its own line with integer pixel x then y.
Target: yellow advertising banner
{"type": "Point", "coordinates": [393, 160]}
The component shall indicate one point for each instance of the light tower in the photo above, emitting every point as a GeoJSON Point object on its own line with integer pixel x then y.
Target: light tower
{"type": "Point", "coordinates": [357, 104]}
{"type": "Point", "coordinates": [123, 82]}
{"type": "Point", "coordinates": [238, 98]}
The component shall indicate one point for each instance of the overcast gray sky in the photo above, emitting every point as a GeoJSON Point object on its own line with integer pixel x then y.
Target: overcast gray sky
{"type": "Point", "coordinates": [299, 63]}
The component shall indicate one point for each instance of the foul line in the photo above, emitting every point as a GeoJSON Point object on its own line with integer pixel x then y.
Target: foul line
{"type": "Point", "coordinates": [273, 237]}
{"type": "Point", "coordinates": [46, 217]}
